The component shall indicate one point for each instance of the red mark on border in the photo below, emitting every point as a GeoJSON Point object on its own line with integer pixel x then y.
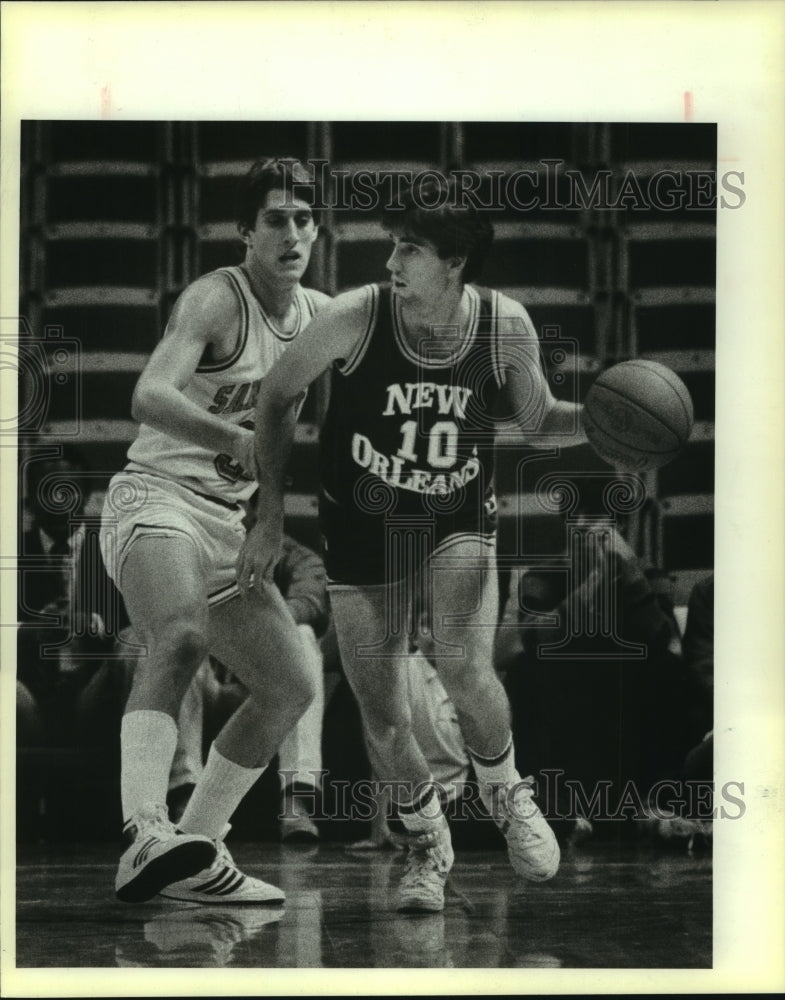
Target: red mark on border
{"type": "Point", "coordinates": [688, 105]}
{"type": "Point", "coordinates": [106, 101]}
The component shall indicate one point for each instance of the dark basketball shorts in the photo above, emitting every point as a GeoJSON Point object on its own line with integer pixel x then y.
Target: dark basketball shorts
{"type": "Point", "coordinates": [362, 548]}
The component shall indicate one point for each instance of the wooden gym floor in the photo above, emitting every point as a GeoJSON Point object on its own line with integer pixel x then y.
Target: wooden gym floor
{"type": "Point", "coordinates": [610, 907]}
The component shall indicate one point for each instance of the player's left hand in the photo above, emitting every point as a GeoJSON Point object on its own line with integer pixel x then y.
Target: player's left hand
{"type": "Point", "coordinates": [259, 554]}
{"type": "Point", "coordinates": [244, 452]}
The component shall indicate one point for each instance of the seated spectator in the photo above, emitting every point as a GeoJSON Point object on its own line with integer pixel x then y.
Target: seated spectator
{"type": "Point", "coordinates": [62, 634]}
{"type": "Point", "coordinates": [601, 664]}
{"type": "Point", "coordinates": [692, 826]}
{"type": "Point", "coordinates": [698, 648]}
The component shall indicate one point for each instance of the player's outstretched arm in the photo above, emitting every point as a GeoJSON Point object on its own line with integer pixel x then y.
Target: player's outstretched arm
{"type": "Point", "coordinates": [544, 420]}
{"type": "Point", "coordinates": [331, 335]}
{"type": "Point", "coordinates": [206, 314]}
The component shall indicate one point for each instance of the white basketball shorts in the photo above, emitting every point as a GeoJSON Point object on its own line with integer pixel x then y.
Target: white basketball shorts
{"type": "Point", "coordinates": [142, 505]}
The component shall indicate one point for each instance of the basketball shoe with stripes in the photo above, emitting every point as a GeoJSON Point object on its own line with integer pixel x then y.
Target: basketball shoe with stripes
{"type": "Point", "coordinates": [223, 882]}
{"type": "Point", "coordinates": [428, 863]}
{"type": "Point", "coordinates": [157, 854]}
{"type": "Point", "coordinates": [531, 843]}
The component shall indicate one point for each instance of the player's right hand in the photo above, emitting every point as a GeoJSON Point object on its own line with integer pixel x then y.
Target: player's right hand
{"type": "Point", "coordinates": [259, 555]}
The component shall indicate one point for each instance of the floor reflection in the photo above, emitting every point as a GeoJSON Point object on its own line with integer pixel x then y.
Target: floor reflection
{"type": "Point", "coordinates": [194, 936]}
{"type": "Point", "coordinates": [605, 909]}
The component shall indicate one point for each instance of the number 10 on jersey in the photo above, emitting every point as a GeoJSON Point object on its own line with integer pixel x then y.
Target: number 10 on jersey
{"type": "Point", "coordinates": [442, 444]}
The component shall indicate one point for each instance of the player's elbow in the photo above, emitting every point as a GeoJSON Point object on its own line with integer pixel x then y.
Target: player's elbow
{"type": "Point", "coordinates": [143, 401]}
{"type": "Point", "coordinates": [549, 419]}
{"type": "Point", "coordinates": [535, 422]}
{"type": "Point", "coordinates": [273, 405]}
{"type": "Point", "coordinates": [138, 403]}
{"type": "Point", "coordinates": [560, 425]}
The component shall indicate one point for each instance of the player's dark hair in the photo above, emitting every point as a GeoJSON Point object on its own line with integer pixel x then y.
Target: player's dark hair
{"type": "Point", "coordinates": [275, 173]}
{"type": "Point", "coordinates": [435, 211]}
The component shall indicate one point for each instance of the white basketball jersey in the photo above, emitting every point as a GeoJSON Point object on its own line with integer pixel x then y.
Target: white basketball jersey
{"type": "Point", "coordinates": [228, 389]}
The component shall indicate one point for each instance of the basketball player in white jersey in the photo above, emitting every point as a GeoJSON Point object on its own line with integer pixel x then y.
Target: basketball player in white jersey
{"type": "Point", "coordinates": [171, 532]}
{"type": "Point", "coordinates": [419, 368]}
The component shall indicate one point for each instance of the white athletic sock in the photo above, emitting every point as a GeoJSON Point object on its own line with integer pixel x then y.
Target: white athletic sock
{"type": "Point", "coordinates": [499, 770]}
{"type": "Point", "coordinates": [218, 793]}
{"type": "Point", "coordinates": [147, 744]}
{"type": "Point", "coordinates": [424, 813]}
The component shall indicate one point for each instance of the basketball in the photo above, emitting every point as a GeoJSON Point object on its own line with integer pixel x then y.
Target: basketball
{"type": "Point", "coordinates": [638, 415]}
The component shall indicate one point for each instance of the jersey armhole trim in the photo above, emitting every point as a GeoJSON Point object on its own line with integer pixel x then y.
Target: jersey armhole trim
{"type": "Point", "coordinates": [311, 308]}
{"type": "Point", "coordinates": [498, 369]}
{"type": "Point", "coordinates": [244, 325]}
{"type": "Point", "coordinates": [351, 363]}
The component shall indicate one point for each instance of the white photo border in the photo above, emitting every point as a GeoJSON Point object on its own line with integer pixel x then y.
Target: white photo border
{"type": "Point", "coordinates": [529, 61]}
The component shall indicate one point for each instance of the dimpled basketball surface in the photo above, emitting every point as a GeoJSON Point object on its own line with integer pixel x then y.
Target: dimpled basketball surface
{"type": "Point", "coordinates": [638, 415]}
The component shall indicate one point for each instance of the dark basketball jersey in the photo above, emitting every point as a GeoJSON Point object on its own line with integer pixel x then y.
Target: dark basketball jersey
{"type": "Point", "coordinates": [410, 432]}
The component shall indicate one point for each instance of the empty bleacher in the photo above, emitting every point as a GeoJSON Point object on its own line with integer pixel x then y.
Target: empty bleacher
{"type": "Point", "coordinates": [98, 237]}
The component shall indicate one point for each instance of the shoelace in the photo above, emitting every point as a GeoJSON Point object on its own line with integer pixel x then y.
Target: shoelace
{"type": "Point", "coordinates": [420, 876]}
{"type": "Point", "coordinates": [420, 863]}
{"type": "Point", "coordinates": [420, 881]}
{"type": "Point", "coordinates": [417, 841]}
{"type": "Point", "coordinates": [524, 823]}
{"type": "Point", "coordinates": [158, 824]}
{"type": "Point", "coordinates": [223, 858]}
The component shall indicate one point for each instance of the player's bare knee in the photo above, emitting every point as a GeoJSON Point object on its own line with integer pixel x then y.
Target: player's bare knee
{"type": "Point", "coordinates": [185, 646]}
{"type": "Point", "coordinates": [292, 696]}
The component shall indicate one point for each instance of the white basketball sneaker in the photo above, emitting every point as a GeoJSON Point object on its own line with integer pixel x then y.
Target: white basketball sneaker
{"type": "Point", "coordinates": [531, 844]}
{"type": "Point", "coordinates": [223, 882]}
{"type": "Point", "coordinates": [428, 863]}
{"type": "Point", "coordinates": [157, 854]}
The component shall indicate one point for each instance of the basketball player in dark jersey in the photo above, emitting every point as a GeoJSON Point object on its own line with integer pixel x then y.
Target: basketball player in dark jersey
{"type": "Point", "coordinates": [171, 531]}
{"type": "Point", "coordinates": [424, 370]}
